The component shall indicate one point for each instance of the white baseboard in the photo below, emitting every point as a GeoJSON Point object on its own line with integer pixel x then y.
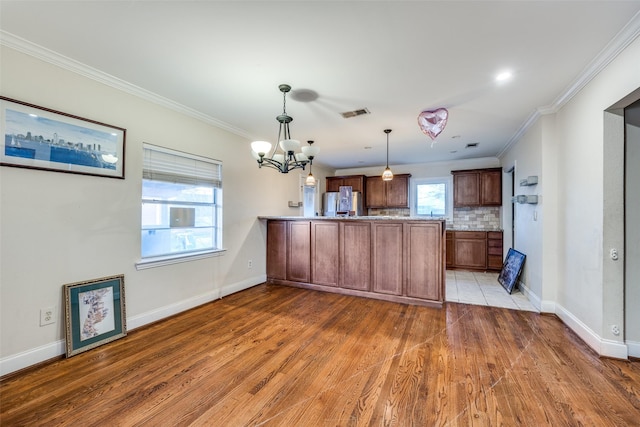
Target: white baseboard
{"type": "Point", "coordinates": [603, 347]}
{"type": "Point", "coordinates": [57, 348]}
{"type": "Point", "coordinates": [634, 348]}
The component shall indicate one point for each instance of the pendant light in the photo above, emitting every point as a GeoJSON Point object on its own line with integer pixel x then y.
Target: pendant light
{"type": "Point", "coordinates": [311, 180]}
{"type": "Point", "coordinates": [387, 175]}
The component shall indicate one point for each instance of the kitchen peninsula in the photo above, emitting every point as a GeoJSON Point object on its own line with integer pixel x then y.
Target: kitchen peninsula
{"type": "Point", "coordinates": [399, 259]}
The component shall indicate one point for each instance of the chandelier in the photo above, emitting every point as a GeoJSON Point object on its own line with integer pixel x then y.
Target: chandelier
{"type": "Point", "coordinates": [285, 159]}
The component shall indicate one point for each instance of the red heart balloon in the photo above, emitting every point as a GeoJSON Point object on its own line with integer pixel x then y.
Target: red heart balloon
{"type": "Point", "coordinates": [433, 122]}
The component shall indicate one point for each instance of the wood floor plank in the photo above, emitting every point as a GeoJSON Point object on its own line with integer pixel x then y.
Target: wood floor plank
{"type": "Point", "coordinates": [281, 356]}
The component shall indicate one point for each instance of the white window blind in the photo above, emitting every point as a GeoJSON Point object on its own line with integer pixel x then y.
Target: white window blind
{"type": "Point", "coordinates": [161, 164]}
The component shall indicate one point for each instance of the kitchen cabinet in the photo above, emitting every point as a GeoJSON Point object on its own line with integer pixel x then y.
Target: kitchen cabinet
{"type": "Point", "coordinates": [298, 251]}
{"type": "Point", "coordinates": [477, 187]}
{"type": "Point", "coordinates": [450, 257]}
{"type": "Point", "coordinates": [389, 259]}
{"type": "Point", "coordinates": [355, 255]}
{"type": "Point", "coordinates": [387, 194]}
{"type": "Point", "coordinates": [470, 249]}
{"type": "Point", "coordinates": [277, 249]}
{"type": "Point", "coordinates": [474, 250]}
{"type": "Point", "coordinates": [423, 255]}
{"type": "Point", "coordinates": [324, 253]}
{"type": "Point", "coordinates": [494, 250]}
{"type": "Point", "coordinates": [355, 181]}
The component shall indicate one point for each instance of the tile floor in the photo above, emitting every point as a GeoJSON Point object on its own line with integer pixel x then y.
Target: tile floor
{"type": "Point", "coordinates": [483, 288]}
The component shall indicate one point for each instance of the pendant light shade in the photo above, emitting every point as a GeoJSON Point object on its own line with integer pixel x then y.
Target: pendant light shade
{"type": "Point", "coordinates": [387, 175]}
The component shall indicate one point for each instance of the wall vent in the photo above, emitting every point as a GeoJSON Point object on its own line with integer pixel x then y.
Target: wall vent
{"type": "Point", "coordinates": [472, 145]}
{"type": "Point", "coordinates": [354, 113]}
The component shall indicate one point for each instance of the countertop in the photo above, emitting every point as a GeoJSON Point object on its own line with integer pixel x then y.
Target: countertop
{"type": "Point", "coordinates": [352, 218]}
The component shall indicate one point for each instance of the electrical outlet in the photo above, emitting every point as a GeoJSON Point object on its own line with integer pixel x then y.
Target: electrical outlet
{"type": "Point", "coordinates": [250, 264]}
{"type": "Point", "coordinates": [47, 316]}
{"type": "Point", "coordinates": [615, 330]}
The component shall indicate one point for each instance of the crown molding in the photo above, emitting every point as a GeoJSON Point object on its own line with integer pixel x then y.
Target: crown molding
{"type": "Point", "coordinates": [17, 43]}
{"type": "Point", "coordinates": [624, 38]}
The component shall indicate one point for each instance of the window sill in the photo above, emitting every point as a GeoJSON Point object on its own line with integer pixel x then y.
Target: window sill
{"type": "Point", "coordinates": [168, 260]}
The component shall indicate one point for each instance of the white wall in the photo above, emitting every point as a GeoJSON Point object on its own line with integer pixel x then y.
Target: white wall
{"type": "Point", "coordinates": [526, 158]}
{"type": "Point", "coordinates": [632, 238]}
{"type": "Point", "coordinates": [59, 228]}
{"type": "Point", "coordinates": [580, 220]}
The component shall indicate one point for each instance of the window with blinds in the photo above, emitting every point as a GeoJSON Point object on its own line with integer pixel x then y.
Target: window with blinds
{"type": "Point", "coordinates": [181, 204]}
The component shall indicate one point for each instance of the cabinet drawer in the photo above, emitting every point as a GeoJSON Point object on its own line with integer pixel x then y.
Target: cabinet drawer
{"type": "Point", "coordinates": [494, 235]}
{"type": "Point", "coordinates": [493, 243]}
{"type": "Point", "coordinates": [470, 235]}
{"type": "Point", "coordinates": [493, 250]}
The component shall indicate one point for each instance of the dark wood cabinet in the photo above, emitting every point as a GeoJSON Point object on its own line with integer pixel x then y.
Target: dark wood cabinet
{"type": "Point", "coordinates": [477, 187]}
{"type": "Point", "coordinates": [392, 260]}
{"type": "Point", "coordinates": [277, 249]}
{"type": "Point", "coordinates": [355, 181]}
{"type": "Point", "coordinates": [355, 255]}
{"type": "Point", "coordinates": [423, 256]}
{"type": "Point", "coordinates": [494, 250]}
{"type": "Point", "coordinates": [324, 253]}
{"type": "Point", "coordinates": [298, 251]}
{"type": "Point", "coordinates": [474, 250]}
{"type": "Point", "coordinates": [470, 249]}
{"type": "Point", "coordinates": [387, 194]}
{"type": "Point", "coordinates": [387, 257]}
{"type": "Point", "coordinates": [451, 250]}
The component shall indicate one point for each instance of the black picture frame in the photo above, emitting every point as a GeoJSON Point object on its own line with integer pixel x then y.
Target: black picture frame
{"type": "Point", "coordinates": [35, 137]}
{"type": "Point", "coordinates": [511, 269]}
{"type": "Point", "coordinates": [95, 313]}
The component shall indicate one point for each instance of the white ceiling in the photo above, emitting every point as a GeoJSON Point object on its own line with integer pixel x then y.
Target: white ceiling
{"type": "Point", "coordinates": [224, 60]}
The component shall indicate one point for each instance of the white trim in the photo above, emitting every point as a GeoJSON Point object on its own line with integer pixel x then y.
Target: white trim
{"type": "Point", "coordinates": [603, 347]}
{"type": "Point", "coordinates": [143, 264]}
{"type": "Point", "coordinates": [533, 298]}
{"type": "Point", "coordinates": [634, 348]}
{"type": "Point", "coordinates": [57, 348]}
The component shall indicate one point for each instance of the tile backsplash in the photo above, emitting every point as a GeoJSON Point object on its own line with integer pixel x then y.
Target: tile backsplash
{"type": "Point", "coordinates": [487, 217]}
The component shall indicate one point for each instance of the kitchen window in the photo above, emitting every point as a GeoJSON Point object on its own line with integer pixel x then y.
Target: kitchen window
{"type": "Point", "coordinates": [181, 207]}
{"type": "Point", "coordinates": [432, 197]}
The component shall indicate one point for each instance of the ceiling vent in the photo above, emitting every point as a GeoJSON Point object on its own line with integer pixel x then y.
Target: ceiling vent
{"type": "Point", "coordinates": [354, 113]}
{"type": "Point", "coordinates": [472, 145]}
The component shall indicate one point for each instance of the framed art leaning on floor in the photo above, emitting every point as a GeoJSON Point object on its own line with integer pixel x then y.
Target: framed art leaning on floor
{"type": "Point", "coordinates": [511, 269]}
{"type": "Point", "coordinates": [94, 313]}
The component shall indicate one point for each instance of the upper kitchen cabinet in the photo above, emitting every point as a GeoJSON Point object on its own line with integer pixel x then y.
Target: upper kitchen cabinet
{"type": "Point", "coordinates": [477, 187]}
{"type": "Point", "coordinates": [387, 194]}
{"type": "Point", "coordinates": [355, 181]}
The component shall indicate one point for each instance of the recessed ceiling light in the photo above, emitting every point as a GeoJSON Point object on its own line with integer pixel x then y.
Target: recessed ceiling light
{"type": "Point", "coordinates": [367, 148]}
{"type": "Point", "coordinates": [453, 151]}
{"type": "Point", "coordinates": [504, 76]}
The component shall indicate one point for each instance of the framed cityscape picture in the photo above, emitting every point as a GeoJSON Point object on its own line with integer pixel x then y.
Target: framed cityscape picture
{"type": "Point", "coordinates": [40, 138]}
{"type": "Point", "coordinates": [511, 269]}
{"type": "Point", "coordinates": [94, 313]}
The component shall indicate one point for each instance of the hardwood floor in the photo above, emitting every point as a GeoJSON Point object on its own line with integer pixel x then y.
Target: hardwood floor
{"type": "Point", "coordinates": [281, 356]}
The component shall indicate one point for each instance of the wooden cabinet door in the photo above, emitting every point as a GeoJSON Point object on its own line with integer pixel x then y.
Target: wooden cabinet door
{"type": "Point", "coordinates": [356, 182]}
{"type": "Point", "coordinates": [299, 251]}
{"type": "Point", "coordinates": [423, 255]}
{"type": "Point", "coordinates": [324, 253]}
{"type": "Point", "coordinates": [334, 183]}
{"type": "Point", "coordinates": [277, 250]}
{"type": "Point", "coordinates": [466, 189]}
{"type": "Point", "coordinates": [471, 249]}
{"type": "Point", "coordinates": [355, 255]}
{"type": "Point", "coordinates": [375, 192]}
{"type": "Point", "coordinates": [387, 257]}
{"type": "Point", "coordinates": [450, 249]}
{"type": "Point", "coordinates": [397, 192]}
{"type": "Point", "coordinates": [491, 188]}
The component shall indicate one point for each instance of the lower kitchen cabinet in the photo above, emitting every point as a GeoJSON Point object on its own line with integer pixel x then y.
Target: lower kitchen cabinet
{"type": "Point", "coordinates": [392, 260]}
{"type": "Point", "coordinates": [355, 255]}
{"type": "Point", "coordinates": [387, 257]}
{"type": "Point", "coordinates": [324, 253]}
{"type": "Point", "coordinates": [474, 250]}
